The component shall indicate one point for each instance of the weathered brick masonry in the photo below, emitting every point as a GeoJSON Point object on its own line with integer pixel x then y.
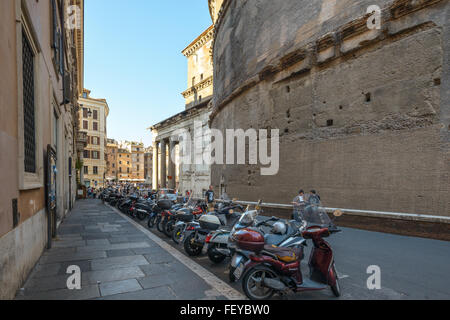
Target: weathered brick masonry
{"type": "Point", "coordinates": [363, 114]}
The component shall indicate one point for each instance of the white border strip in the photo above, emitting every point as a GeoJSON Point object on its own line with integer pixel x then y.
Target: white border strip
{"type": "Point", "coordinates": [219, 285]}
{"type": "Point", "coordinates": [366, 213]}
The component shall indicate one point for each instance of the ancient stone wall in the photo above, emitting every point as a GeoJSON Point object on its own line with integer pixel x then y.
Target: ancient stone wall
{"type": "Point", "coordinates": [363, 114]}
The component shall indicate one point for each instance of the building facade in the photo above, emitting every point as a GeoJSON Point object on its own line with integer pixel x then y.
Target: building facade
{"type": "Point", "coordinates": [137, 162]}
{"type": "Point", "coordinates": [92, 117]}
{"type": "Point", "coordinates": [41, 63]}
{"type": "Point", "coordinates": [362, 111]}
{"type": "Point", "coordinates": [124, 165]}
{"type": "Point", "coordinates": [168, 170]}
{"type": "Point", "coordinates": [112, 148]}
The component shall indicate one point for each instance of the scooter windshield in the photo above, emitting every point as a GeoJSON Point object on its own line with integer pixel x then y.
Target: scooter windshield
{"type": "Point", "coordinates": [247, 219]}
{"type": "Point", "coordinates": [312, 214]}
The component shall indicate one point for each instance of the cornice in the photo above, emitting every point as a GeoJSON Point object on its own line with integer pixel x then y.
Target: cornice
{"type": "Point", "coordinates": [198, 87]}
{"type": "Point", "coordinates": [199, 42]}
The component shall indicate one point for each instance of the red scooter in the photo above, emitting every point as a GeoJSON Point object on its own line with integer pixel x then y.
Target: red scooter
{"type": "Point", "coordinates": [274, 269]}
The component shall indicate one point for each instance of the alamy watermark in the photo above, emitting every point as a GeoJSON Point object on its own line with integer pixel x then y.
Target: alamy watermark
{"type": "Point", "coordinates": [206, 146]}
{"type": "Point", "coordinates": [374, 280]}
{"type": "Point", "coordinates": [74, 280]}
{"type": "Point", "coordinates": [374, 21]}
{"type": "Point", "coordinates": [73, 21]}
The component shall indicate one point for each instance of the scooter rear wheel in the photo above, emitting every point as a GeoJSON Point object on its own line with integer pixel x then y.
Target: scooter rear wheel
{"type": "Point", "coordinates": [191, 248]}
{"type": "Point", "coordinates": [214, 255]}
{"type": "Point", "coordinates": [252, 284]}
{"type": "Point", "coordinates": [141, 215]}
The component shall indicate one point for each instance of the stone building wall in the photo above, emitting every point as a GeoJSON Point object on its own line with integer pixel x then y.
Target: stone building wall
{"type": "Point", "coordinates": [363, 114]}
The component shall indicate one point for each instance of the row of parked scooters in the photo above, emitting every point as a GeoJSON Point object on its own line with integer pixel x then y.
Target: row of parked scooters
{"type": "Point", "coordinates": [266, 253]}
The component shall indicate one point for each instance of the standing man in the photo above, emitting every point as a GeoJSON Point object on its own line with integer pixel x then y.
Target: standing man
{"type": "Point", "coordinates": [300, 199]}
{"type": "Point", "coordinates": [209, 197]}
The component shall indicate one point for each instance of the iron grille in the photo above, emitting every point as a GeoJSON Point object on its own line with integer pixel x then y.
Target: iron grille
{"type": "Point", "coordinates": [28, 106]}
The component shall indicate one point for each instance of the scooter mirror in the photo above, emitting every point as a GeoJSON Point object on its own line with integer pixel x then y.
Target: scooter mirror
{"type": "Point", "coordinates": [338, 213]}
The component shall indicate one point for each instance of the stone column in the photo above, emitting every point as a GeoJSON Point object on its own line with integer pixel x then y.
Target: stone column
{"type": "Point", "coordinates": [163, 164]}
{"type": "Point", "coordinates": [172, 169]}
{"type": "Point", "coordinates": [155, 174]}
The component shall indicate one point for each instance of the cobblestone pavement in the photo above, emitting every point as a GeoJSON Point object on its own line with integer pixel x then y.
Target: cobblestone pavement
{"type": "Point", "coordinates": [117, 261]}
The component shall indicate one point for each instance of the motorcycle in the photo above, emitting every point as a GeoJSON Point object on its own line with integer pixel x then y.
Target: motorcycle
{"type": "Point", "coordinates": [273, 269]}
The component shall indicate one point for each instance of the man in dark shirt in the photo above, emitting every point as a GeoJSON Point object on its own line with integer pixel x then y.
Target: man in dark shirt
{"type": "Point", "coordinates": [209, 195]}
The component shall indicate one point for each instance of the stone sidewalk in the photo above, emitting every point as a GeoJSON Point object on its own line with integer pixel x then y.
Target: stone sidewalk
{"type": "Point", "coordinates": [117, 261]}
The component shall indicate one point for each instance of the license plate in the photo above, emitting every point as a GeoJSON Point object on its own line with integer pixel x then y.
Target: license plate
{"type": "Point", "coordinates": [238, 272]}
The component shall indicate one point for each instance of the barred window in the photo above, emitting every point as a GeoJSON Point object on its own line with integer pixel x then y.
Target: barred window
{"type": "Point", "coordinates": [28, 105]}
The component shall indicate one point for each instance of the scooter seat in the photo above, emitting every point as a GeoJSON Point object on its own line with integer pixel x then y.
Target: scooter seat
{"type": "Point", "coordinates": [287, 255]}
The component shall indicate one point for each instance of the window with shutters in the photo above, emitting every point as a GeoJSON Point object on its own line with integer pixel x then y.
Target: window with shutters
{"type": "Point", "coordinates": [86, 154]}
{"type": "Point", "coordinates": [86, 170]}
{"type": "Point", "coordinates": [95, 126]}
{"type": "Point", "coordinates": [85, 125]}
{"type": "Point", "coordinates": [95, 114]}
{"type": "Point", "coordinates": [28, 105]}
{"type": "Point", "coordinates": [29, 138]}
{"type": "Point", "coordinates": [85, 112]}
{"type": "Point", "coordinates": [95, 170]}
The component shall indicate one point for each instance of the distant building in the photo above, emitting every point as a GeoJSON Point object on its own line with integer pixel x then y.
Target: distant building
{"type": "Point", "coordinates": [112, 171]}
{"type": "Point", "coordinates": [92, 116]}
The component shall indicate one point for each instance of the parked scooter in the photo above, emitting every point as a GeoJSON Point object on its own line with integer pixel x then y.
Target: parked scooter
{"type": "Point", "coordinates": [280, 233]}
{"type": "Point", "coordinates": [194, 240]}
{"type": "Point", "coordinates": [273, 269]}
{"type": "Point", "coordinates": [185, 216]}
{"type": "Point", "coordinates": [218, 240]}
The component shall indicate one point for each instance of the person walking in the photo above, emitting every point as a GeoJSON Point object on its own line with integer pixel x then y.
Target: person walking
{"type": "Point", "coordinates": [299, 204]}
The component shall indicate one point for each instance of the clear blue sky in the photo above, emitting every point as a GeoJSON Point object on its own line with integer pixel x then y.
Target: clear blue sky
{"type": "Point", "coordinates": [133, 59]}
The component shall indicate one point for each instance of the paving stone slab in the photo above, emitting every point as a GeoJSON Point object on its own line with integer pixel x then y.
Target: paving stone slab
{"type": "Point", "coordinates": [86, 292]}
{"type": "Point", "coordinates": [154, 281]}
{"type": "Point", "coordinates": [68, 244]}
{"type": "Point", "coordinates": [116, 287]}
{"type": "Point", "coordinates": [162, 257]}
{"type": "Point", "coordinates": [160, 293]}
{"type": "Point", "coordinates": [78, 256]}
{"type": "Point", "coordinates": [116, 246]}
{"type": "Point", "coordinates": [94, 277]}
{"type": "Point", "coordinates": [48, 283]}
{"type": "Point", "coordinates": [118, 262]}
{"type": "Point", "coordinates": [119, 253]}
{"type": "Point", "coordinates": [97, 242]}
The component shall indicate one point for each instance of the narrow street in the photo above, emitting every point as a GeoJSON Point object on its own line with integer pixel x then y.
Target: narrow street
{"type": "Point", "coordinates": [119, 260]}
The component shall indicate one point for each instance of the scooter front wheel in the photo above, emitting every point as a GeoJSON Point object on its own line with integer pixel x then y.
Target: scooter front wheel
{"type": "Point", "coordinates": [253, 283]}
{"type": "Point", "coordinates": [177, 233]}
{"type": "Point", "coordinates": [336, 288]}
